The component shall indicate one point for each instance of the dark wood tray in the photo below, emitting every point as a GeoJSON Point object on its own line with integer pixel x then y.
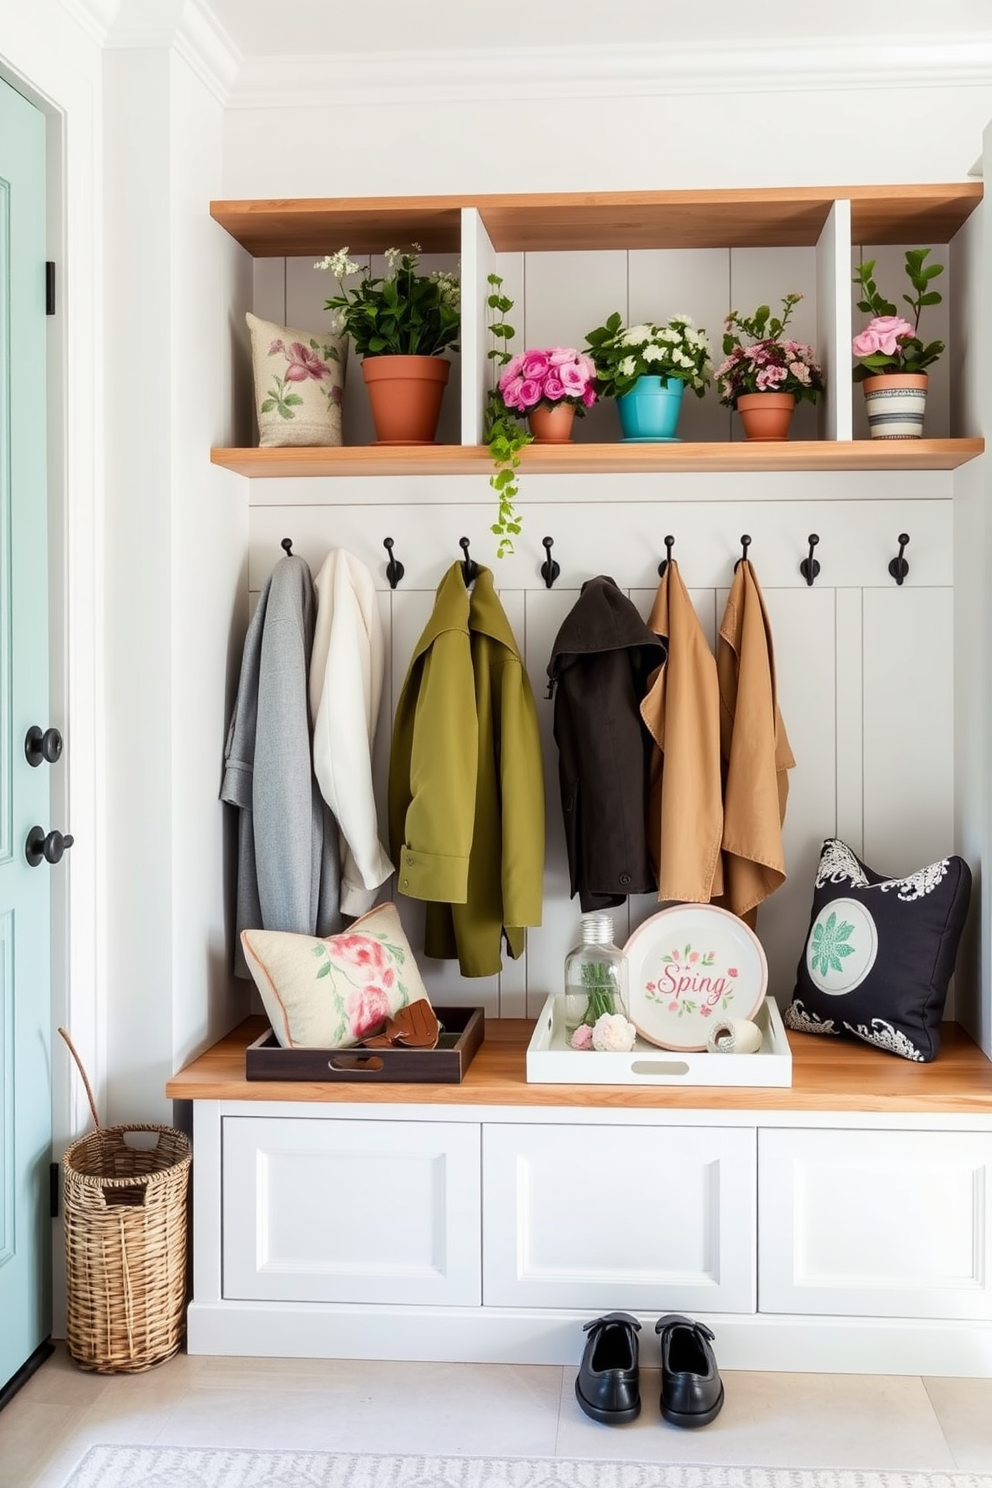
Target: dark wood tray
{"type": "Point", "coordinates": [464, 1029]}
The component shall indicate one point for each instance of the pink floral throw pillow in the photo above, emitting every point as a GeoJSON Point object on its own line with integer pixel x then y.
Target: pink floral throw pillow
{"type": "Point", "coordinates": [299, 384]}
{"type": "Point", "coordinates": [329, 994]}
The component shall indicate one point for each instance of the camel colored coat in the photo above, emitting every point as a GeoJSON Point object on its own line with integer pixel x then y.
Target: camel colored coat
{"type": "Point", "coordinates": [682, 713]}
{"type": "Point", "coordinates": [754, 748]}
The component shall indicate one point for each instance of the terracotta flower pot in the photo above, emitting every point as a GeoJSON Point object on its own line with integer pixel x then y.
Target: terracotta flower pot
{"type": "Point", "coordinates": [766, 416]}
{"type": "Point", "coordinates": [895, 403]}
{"type": "Point", "coordinates": [552, 425]}
{"type": "Point", "coordinates": [405, 393]}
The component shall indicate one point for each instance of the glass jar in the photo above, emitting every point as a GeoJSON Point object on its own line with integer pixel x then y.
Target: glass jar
{"type": "Point", "coordinates": [595, 975]}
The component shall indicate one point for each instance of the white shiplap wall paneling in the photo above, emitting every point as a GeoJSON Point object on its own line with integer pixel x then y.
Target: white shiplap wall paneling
{"type": "Point", "coordinates": [935, 325]}
{"type": "Point", "coordinates": [566, 295]}
{"type": "Point", "coordinates": [908, 727]}
{"type": "Point", "coordinates": [761, 276]}
{"type": "Point", "coordinates": [833, 321]}
{"type": "Point", "coordinates": [669, 281]}
{"type": "Point", "coordinates": [849, 691]}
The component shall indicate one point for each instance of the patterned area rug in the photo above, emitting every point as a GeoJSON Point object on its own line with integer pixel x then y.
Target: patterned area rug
{"type": "Point", "coordinates": [207, 1467]}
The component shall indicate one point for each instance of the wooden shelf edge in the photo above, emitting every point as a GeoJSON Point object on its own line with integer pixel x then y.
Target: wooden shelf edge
{"type": "Point", "coordinates": [614, 459]}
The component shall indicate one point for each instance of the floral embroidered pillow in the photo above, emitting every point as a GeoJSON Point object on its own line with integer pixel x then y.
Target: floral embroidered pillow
{"type": "Point", "coordinates": [330, 994]}
{"type": "Point", "coordinates": [880, 952]}
{"type": "Point", "coordinates": [299, 384]}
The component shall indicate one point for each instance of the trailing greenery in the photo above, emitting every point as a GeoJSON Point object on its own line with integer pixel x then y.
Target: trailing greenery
{"type": "Point", "coordinates": [502, 433]}
{"type": "Point", "coordinates": [402, 313]}
{"type": "Point", "coordinates": [890, 343]}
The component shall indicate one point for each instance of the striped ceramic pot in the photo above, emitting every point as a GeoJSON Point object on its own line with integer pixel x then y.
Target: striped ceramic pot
{"type": "Point", "coordinates": [895, 404]}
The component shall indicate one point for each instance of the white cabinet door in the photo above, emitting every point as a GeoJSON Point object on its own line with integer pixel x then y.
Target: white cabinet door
{"type": "Point", "coordinates": [648, 1219]}
{"type": "Point", "coordinates": [884, 1224]}
{"type": "Point", "coordinates": [351, 1211]}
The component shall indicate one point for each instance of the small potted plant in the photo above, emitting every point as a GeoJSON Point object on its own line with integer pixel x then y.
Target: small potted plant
{"type": "Point", "coordinates": [400, 324]}
{"type": "Point", "coordinates": [647, 368]}
{"type": "Point", "coordinates": [764, 375]}
{"type": "Point", "coordinates": [548, 386]}
{"type": "Point", "coordinates": [891, 357]}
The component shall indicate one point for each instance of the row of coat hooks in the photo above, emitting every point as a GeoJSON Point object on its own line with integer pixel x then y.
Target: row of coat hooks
{"type": "Point", "coordinates": [550, 569]}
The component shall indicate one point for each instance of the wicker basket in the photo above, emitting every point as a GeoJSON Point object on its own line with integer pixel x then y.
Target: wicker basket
{"type": "Point", "coordinates": [126, 1228]}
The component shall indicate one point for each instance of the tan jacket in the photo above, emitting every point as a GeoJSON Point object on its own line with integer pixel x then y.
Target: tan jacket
{"type": "Point", "coordinates": [682, 713]}
{"type": "Point", "coordinates": [754, 748]}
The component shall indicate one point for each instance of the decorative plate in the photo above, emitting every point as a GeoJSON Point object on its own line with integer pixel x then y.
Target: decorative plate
{"type": "Point", "coordinates": [689, 965]}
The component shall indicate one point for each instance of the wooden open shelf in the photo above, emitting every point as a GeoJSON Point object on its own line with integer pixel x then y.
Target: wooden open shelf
{"type": "Point", "coordinates": [614, 459]}
{"type": "Point", "coordinates": [827, 1075]}
{"type": "Point", "coordinates": [583, 221]}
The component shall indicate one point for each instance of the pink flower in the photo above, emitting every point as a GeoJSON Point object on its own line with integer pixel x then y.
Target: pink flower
{"type": "Point", "coordinates": [511, 391]}
{"type": "Point", "coordinates": [554, 388]}
{"type": "Point", "coordinates": [881, 334]}
{"type": "Point", "coordinates": [769, 378]}
{"type": "Point", "coordinates": [364, 954]}
{"type": "Point", "coordinates": [559, 355]}
{"type": "Point", "coordinates": [536, 365]}
{"type": "Point", "coordinates": [513, 369]}
{"type": "Point", "coordinates": [588, 396]}
{"type": "Point", "coordinates": [367, 1007]}
{"type": "Point", "coordinates": [573, 378]}
{"type": "Point", "coordinates": [277, 345]}
{"type": "Point", "coordinates": [673, 1007]}
{"type": "Point", "coordinates": [705, 1011]}
{"type": "Point", "coordinates": [694, 956]}
{"type": "Point", "coordinates": [528, 393]}
{"type": "Point", "coordinates": [304, 363]}
{"type": "Point", "coordinates": [582, 1037]}
{"type": "Point", "coordinates": [732, 971]}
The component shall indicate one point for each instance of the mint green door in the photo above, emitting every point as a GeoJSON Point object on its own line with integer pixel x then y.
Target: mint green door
{"type": "Point", "coordinates": [25, 992]}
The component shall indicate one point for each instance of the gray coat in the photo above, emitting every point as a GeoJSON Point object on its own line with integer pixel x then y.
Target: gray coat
{"type": "Point", "coordinates": [288, 865]}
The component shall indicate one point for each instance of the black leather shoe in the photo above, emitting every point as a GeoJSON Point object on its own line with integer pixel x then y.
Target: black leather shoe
{"type": "Point", "coordinates": [691, 1387]}
{"type": "Point", "coordinates": [607, 1385]}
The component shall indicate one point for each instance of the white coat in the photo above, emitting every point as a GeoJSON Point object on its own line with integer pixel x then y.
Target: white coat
{"type": "Point", "coordinates": [346, 672]}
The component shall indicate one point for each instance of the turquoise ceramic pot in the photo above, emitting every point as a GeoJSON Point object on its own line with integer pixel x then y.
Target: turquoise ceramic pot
{"type": "Point", "coordinates": [651, 409]}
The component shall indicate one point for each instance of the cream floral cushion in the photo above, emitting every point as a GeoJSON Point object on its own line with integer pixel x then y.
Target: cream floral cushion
{"type": "Point", "coordinates": [299, 383]}
{"type": "Point", "coordinates": [329, 994]}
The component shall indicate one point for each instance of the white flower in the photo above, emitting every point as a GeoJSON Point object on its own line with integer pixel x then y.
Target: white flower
{"type": "Point", "coordinates": [653, 354]}
{"type": "Point", "coordinates": [613, 1034]}
{"type": "Point", "coordinates": [339, 264]}
{"type": "Point", "coordinates": [628, 367]}
{"type": "Point", "coordinates": [634, 334]}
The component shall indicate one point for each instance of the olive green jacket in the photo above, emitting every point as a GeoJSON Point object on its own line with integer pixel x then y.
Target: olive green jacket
{"type": "Point", "coordinates": [466, 781]}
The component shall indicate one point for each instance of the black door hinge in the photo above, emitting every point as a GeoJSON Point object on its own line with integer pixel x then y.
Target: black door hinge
{"type": "Point", "coordinates": [49, 288]}
{"type": "Point", "coordinates": [53, 1190]}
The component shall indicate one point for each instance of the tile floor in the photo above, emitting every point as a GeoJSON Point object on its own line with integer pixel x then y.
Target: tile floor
{"type": "Point", "coordinates": [775, 1420]}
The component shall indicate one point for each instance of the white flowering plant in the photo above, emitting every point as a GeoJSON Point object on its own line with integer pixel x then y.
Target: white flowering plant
{"type": "Point", "coordinates": [622, 354]}
{"type": "Point", "coordinates": [402, 313]}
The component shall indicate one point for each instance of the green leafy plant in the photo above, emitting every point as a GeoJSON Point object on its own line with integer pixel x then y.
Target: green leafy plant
{"type": "Point", "coordinates": [502, 433]}
{"type": "Point", "coordinates": [622, 354]}
{"type": "Point", "coordinates": [401, 313]}
{"type": "Point", "coordinates": [889, 342]}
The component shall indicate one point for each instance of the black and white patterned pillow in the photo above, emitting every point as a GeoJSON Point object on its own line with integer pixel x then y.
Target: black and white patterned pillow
{"type": "Point", "coordinates": [880, 952]}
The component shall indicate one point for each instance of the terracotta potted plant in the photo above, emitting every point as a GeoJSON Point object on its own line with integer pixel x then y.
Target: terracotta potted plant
{"type": "Point", "coordinates": [400, 324]}
{"type": "Point", "coordinates": [765, 374]}
{"type": "Point", "coordinates": [891, 358]}
{"type": "Point", "coordinates": [647, 368]}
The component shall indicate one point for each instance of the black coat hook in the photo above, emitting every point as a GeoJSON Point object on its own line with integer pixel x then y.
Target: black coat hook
{"type": "Point", "coordinates": [394, 568]}
{"type": "Point", "coordinates": [745, 544]}
{"type": "Point", "coordinates": [898, 566]}
{"type": "Point", "coordinates": [287, 543]}
{"type": "Point", "coordinates": [809, 568]}
{"type": "Point", "coordinates": [470, 569]}
{"type": "Point", "coordinates": [549, 568]}
{"type": "Point", "coordinates": [669, 545]}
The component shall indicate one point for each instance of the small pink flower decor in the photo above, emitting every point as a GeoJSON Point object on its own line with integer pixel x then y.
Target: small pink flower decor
{"type": "Point", "coordinates": [889, 343]}
{"type": "Point", "coordinates": [613, 1034]}
{"type": "Point", "coordinates": [766, 362]}
{"type": "Point", "coordinates": [548, 376]}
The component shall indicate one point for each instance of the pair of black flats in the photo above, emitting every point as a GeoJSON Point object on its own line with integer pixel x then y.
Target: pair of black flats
{"type": "Point", "coordinates": [608, 1382]}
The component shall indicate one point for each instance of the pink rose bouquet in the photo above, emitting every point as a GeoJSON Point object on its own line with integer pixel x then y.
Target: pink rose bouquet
{"type": "Point", "coordinates": [889, 343]}
{"type": "Point", "coordinates": [548, 376]}
{"type": "Point", "coordinates": [766, 362]}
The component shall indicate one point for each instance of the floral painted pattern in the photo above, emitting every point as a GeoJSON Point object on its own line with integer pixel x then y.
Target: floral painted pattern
{"type": "Point", "coordinates": [303, 363]}
{"type": "Point", "coordinates": [364, 972]}
{"type": "Point", "coordinates": [831, 944]}
{"type": "Point", "coordinates": [687, 985]}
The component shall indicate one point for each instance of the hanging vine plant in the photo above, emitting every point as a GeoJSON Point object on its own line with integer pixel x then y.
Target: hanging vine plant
{"type": "Point", "coordinates": [503, 434]}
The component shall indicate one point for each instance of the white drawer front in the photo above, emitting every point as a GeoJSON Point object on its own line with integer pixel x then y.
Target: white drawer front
{"type": "Point", "coordinates": [351, 1211]}
{"type": "Point", "coordinates": [622, 1217]}
{"type": "Point", "coordinates": [885, 1224]}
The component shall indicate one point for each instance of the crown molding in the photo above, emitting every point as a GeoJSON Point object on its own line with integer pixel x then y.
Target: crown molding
{"type": "Point", "coordinates": [188, 26]}
{"type": "Point", "coordinates": [605, 72]}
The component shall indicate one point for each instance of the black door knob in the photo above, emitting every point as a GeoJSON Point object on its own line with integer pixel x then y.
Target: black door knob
{"type": "Point", "coordinates": [46, 845]}
{"type": "Point", "coordinates": [42, 744]}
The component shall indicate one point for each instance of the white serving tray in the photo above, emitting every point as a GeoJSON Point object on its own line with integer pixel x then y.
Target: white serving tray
{"type": "Point", "coordinates": [551, 1062]}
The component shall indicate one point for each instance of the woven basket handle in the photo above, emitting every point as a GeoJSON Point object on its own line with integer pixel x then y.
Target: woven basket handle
{"type": "Point", "coordinates": [79, 1066]}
